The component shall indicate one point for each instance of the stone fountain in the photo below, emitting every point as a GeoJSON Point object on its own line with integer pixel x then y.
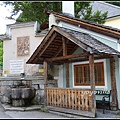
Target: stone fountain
{"type": "Point", "coordinates": [22, 93]}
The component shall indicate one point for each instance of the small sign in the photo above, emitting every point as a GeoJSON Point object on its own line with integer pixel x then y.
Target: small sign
{"type": "Point", "coordinates": [41, 70]}
{"type": "Point", "coordinates": [16, 66]}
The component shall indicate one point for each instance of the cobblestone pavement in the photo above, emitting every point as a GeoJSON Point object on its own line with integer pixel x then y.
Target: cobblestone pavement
{"type": "Point", "coordinates": [2, 113]}
{"type": "Point", "coordinates": [108, 114]}
{"type": "Point", "coordinates": [38, 114]}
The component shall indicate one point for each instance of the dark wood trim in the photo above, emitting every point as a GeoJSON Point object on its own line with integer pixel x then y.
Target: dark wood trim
{"type": "Point", "coordinates": [83, 23]}
{"type": "Point", "coordinates": [86, 59]}
{"type": "Point", "coordinates": [45, 82]}
{"type": "Point", "coordinates": [86, 72]}
{"type": "Point", "coordinates": [113, 83]}
{"type": "Point", "coordinates": [95, 28]}
{"type": "Point", "coordinates": [36, 52]}
{"type": "Point", "coordinates": [67, 75]}
{"type": "Point", "coordinates": [64, 46]}
{"type": "Point", "coordinates": [92, 82]}
{"type": "Point", "coordinates": [66, 57]}
{"type": "Point", "coordinates": [74, 40]}
{"type": "Point", "coordinates": [46, 45]}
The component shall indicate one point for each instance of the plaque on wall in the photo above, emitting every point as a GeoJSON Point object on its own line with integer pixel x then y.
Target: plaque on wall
{"type": "Point", "coordinates": [16, 66]}
{"type": "Point", "coordinates": [23, 46]}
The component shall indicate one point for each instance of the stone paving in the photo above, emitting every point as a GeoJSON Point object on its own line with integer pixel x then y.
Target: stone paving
{"type": "Point", "coordinates": [7, 111]}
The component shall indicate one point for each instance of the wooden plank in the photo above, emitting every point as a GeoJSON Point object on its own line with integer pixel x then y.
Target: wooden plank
{"type": "Point", "coordinates": [60, 98]}
{"type": "Point", "coordinates": [73, 39]}
{"type": "Point", "coordinates": [64, 46]}
{"type": "Point", "coordinates": [75, 99]}
{"type": "Point", "coordinates": [86, 101]}
{"type": "Point", "coordinates": [113, 83]}
{"type": "Point", "coordinates": [50, 97]}
{"type": "Point", "coordinates": [71, 111]}
{"type": "Point", "coordinates": [57, 99]}
{"type": "Point", "coordinates": [86, 59]}
{"type": "Point", "coordinates": [78, 100]}
{"type": "Point", "coordinates": [83, 104]}
{"type": "Point", "coordinates": [47, 44]}
{"type": "Point", "coordinates": [67, 75]}
{"type": "Point", "coordinates": [72, 21]}
{"type": "Point", "coordinates": [72, 96]}
{"type": "Point", "coordinates": [47, 96]}
{"type": "Point", "coordinates": [36, 52]}
{"type": "Point", "coordinates": [92, 82]}
{"type": "Point", "coordinates": [45, 82]}
{"type": "Point", "coordinates": [66, 57]}
{"type": "Point", "coordinates": [90, 102]}
{"type": "Point", "coordinates": [69, 98]}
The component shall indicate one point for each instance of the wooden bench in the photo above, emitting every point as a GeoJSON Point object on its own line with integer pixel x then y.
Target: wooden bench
{"type": "Point", "coordinates": [103, 103]}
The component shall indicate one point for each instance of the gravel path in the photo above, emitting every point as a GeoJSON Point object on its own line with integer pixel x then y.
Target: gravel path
{"type": "Point", "coordinates": [108, 114]}
{"type": "Point", "coordinates": [33, 114]}
{"type": "Point", "coordinates": [38, 114]}
{"type": "Point", "coordinates": [2, 113]}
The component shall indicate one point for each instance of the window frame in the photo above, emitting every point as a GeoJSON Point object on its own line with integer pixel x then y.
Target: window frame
{"type": "Point", "coordinates": [83, 75]}
{"type": "Point", "coordinates": [105, 86]}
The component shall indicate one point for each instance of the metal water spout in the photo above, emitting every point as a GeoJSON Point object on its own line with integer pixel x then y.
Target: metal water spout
{"type": "Point", "coordinates": [22, 75]}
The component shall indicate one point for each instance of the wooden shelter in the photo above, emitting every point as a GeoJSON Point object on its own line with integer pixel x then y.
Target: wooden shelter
{"type": "Point", "coordinates": [58, 48]}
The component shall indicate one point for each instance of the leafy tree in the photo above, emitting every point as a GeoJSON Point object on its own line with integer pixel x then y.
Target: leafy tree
{"type": "Point", "coordinates": [117, 3]}
{"type": "Point", "coordinates": [34, 11]}
{"type": "Point", "coordinates": [84, 11]}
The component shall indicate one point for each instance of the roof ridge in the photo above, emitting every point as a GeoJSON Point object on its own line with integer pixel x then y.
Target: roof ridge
{"type": "Point", "coordinates": [107, 4]}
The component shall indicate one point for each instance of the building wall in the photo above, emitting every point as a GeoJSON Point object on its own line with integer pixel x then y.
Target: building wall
{"type": "Point", "coordinates": [112, 42]}
{"type": "Point", "coordinates": [10, 48]}
{"type": "Point", "coordinates": [113, 22]}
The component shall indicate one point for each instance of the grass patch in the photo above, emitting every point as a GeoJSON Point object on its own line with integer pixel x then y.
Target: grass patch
{"type": "Point", "coordinates": [43, 109]}
{"type": "Point", "coordinates": [118, 114]}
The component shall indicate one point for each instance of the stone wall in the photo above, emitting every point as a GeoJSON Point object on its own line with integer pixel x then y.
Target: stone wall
{"type": "Point", "coordinates": [36, 81]}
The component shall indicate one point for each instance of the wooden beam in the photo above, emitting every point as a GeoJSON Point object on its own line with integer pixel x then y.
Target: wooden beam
{"type": "Point", "coordinates": [66, 57]}
{"type": "Point", "coordinates": [92, 82]}
{"type": "Point", "coordinates": [86, 59]}
{"type": "Point", "coordinates": [60, 49]}
{"type": "Point", "coordinates": [57, 53]}
{"type": "Point", "coordinates": [67, 75]}
{"type": "Point", "coordinates": [72, 39]}
{"type": "Point", "coordinates": [64, 46]}
{"type": "Point", "coordinates": [113, 83]}
{"type": "Point", "coordinates": [86, 24]}
{"type": "Point", "coordinates": [47, 44]}
{"type": "Point", "coordinates": [92, 28]}
{"type": "Point", "coordinates": [36, 52]}
{"type": "Point", "coordinates": [45, 82]}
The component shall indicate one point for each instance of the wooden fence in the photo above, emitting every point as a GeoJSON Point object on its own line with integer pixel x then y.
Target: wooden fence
{"type": "Point", "coordinates": [71, 98]}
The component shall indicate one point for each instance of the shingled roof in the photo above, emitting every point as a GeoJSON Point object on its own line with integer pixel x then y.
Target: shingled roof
{"type": "Point", "coordinates": [93, 43]}
{"type": "Point", "coordinates": [52, 44]}
{"type": "Point", "coordinates": [102, 29]}
{"type": "Point", "coordinates": [113, 10]}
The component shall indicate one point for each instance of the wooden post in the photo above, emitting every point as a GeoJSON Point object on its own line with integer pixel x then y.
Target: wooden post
{"type": "Point", "coordinates": [67, 75]}
{"type": "Point", "coordinates": [67, 64]}
{"type": "Point", "coordinates": [45, 83]}
{"type": "Point", "coordinates": [92, 82]}
{"type": "Point", "coordinates": [113, 83]}
{"type": "Point", "coordinates": [64, 46]}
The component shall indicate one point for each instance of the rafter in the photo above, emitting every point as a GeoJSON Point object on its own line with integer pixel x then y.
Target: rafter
{"type": "Point", "coordinates": [66, 57]}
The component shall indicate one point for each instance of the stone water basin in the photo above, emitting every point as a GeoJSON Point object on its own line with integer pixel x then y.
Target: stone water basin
{"type": "Point", "coordinates": [21, 96]}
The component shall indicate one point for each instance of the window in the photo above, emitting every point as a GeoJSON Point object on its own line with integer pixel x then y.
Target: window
{"type": "Point", "coordinates": [23, 46]}
{"type": "Point", "coordinates": [82, 74]}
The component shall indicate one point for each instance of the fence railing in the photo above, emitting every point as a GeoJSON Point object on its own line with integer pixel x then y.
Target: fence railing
{"type": "Point", "coordinates": [71, 98]}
